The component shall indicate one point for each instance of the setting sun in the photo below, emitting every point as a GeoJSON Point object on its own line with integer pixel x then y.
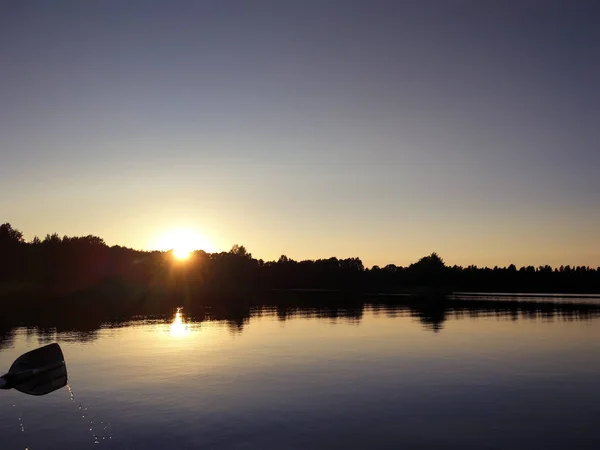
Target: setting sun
{"type": "Point", "coordinates": [184, 242]}
{"type": "Point", "coordinates": [181, 253]}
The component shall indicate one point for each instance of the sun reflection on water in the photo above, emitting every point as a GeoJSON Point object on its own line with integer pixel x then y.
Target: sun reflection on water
{"type": "Point", "coordinates": [179, 327]}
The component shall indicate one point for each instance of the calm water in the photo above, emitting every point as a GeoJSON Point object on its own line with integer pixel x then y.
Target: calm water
{"type": "Point", "coordinates": [380, 376]}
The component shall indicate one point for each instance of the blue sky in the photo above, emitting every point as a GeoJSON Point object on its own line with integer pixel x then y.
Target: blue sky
{"type": "Point", "coordinates": [379, 129]}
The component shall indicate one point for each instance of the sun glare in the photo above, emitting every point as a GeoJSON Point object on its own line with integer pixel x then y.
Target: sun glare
{"type": "Point", "coordinates": [181, 253]}
{"type": "Point", "coordinates": [184, 242]}
{"type": "Point", "coordinates": [178, 327]}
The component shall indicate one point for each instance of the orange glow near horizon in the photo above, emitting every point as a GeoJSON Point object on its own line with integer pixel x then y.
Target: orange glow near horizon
{"type": "Point", "coordinates": [183, 242]}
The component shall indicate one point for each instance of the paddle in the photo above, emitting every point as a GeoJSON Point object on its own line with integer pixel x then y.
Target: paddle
{"type": "Point", "coordinates": [37, 372]}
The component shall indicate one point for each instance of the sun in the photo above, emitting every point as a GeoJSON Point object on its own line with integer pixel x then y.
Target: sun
{"type": "Point", "coordinates": [184, 242]}
{"type": "Point", "coordinates": [181, 252]}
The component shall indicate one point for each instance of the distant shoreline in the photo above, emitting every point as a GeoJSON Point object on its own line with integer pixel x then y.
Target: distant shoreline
{"type": "Point", "coordinates": [528, 294]}
{"type": "Point", "coordinates": [85, 266]}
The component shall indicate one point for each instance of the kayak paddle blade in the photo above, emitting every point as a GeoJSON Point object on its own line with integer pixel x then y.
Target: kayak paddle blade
{"type": "Point", "coordinates": [39, 371]}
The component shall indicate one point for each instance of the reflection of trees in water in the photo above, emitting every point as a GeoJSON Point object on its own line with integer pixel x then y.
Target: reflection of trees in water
{"type": "Point", "coordinates": [513, 311]}
{"type": "Point", "coordinates": [237, 316]}
{"type": "Point", "coordinates": [351, 315]}
{"type": "Point", "coordinates": [236, 326]}
{"type": "Point", "coordinates": [432, 318]}
{"type": "Point", "coordinates": [433, 313]}
{"type": "Point", "coordinates": [7, 338]}
{"type": "Point", "coordinates": [80, 322]}
{"type": "Point", "coordinates": [46, 335]}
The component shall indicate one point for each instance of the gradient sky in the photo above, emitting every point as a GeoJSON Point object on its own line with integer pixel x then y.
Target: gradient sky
{"type": "Point", "coordinates": [380, 129]}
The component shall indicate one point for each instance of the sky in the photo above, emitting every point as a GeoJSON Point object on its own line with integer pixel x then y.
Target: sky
{"type": "Point", "coordinates": [380, 129]}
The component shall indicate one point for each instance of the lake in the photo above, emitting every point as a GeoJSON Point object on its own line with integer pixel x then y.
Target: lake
{"type": "Point", "coordinates": [380, 374]}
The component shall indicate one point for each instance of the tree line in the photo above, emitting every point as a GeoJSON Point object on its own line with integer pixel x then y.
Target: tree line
{"type": "Point", "coordinates": [61, 265]}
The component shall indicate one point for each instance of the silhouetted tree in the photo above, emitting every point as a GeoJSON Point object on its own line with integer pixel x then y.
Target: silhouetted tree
{"type": "Point", "coordinates": [10, 235]}
{"type": "Point", "coordinates": [240, 250]}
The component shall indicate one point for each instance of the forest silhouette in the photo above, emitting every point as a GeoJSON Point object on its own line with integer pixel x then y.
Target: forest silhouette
{"type": "Point", "coordinates": [58, 267]}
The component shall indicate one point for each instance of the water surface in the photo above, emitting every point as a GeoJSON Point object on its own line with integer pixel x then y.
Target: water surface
{"type": "Point", "coordinates": [371, 376]}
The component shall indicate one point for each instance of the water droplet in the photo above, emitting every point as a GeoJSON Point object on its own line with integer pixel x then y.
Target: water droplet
{"type": "Point", "coordinates": [71, 392]}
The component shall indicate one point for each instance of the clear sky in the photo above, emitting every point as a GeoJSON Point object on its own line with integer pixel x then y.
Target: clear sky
{"type": "Point", "coordinates": [379, 129]}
